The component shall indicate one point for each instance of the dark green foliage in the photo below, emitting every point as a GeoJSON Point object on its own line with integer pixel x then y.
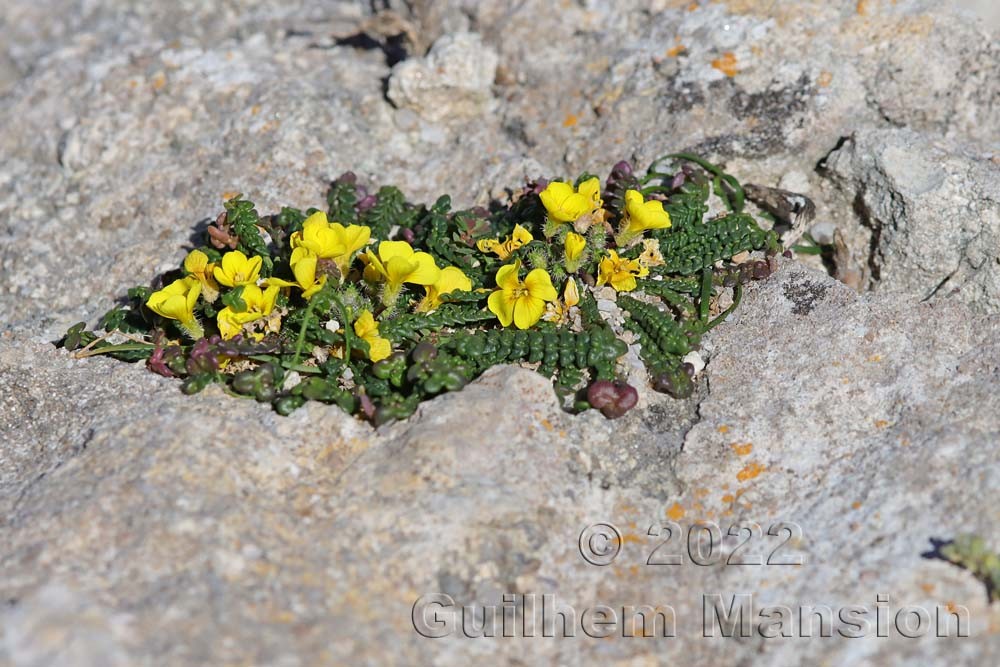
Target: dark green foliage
{"type": "Point", "coordinates": [243, 218]}
{"type": "Point", "coordinates": [319, 349]}
{"type": "Point", "coordinates": [342, 201]}
{"type": "Point", "coordinates": [390, 209]}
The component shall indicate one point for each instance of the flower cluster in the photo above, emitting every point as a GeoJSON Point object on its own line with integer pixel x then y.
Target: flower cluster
{"type": "Point", "coordinates": [377, 303]}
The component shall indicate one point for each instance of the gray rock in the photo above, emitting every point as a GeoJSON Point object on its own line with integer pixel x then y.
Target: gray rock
{"type": "Point", "coordinates": [933, 212]}
{"type": "Point", "coordinates": [455, 79]}
{"type": "Point", "coordinates": [308, 539]}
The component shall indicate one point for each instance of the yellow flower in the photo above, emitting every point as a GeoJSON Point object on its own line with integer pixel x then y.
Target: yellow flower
{"type": "Point", "coordinates": [620, 272]}
{"type": "Point", "coordinates": [639, 216]}
{"type": "Point", "coordinates": [366, 328]}
{"type": "Point", "coordinates": [503, 250]}
{"type": "Point", "coordinates": [259, 304]}
{"type": "Point", "coordinates": [197, 266]}
{"type": "Point", "coordinates": [333, 241]}
{"type": "Point", "coordinates": [560, 311]}
{"type": "Point", "coordinates": [564, 204]}
{"type": "Point", "coordinates": [303, 266]}
{"type": "Point", "coordinates": [522, 303]}
{"type": "Point", "coordinates": [397, 263]}
{"type": "Point", "coordinates": [451, 279]}
{"type": "Point", "coordinates": [237, 269]}
{"type": "Point", "coordinates": [575, 245]}
{"type": "Point", "coordinates": [176, 301]}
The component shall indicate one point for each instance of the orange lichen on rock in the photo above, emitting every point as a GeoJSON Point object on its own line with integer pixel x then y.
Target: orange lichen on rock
{"type": "Point", "coordinates": [675, 51]}
{"type": "Point", "coordinates": [751, 470]}
{"type": "Point", "coordinates": [675, 512]}
{"type": "Point", "coordinates": [726, 64]}
{"type": "Point", "coordinates": [570, 120]}
{"type": "Point", "coordinates": [742, 449]}
{"type": "Point", "coordinates": [824, 79]}
{"type": "Point", "coordinates": [723, 429]}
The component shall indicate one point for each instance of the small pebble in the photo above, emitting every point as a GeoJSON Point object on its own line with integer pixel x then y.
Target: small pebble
{"type": "Point", "coordinates": [696, 362]}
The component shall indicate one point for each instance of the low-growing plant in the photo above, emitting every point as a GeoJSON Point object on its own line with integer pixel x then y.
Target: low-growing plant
{"type": "Point", "coordinates": [376, 304]}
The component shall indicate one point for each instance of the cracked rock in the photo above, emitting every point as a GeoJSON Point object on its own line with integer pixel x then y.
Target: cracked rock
{"type": "Point", "coordinates": [933, 210]}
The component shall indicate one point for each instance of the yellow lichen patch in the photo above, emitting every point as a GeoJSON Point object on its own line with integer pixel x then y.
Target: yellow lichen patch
{"type": "Point", "coordinates": [723, 429]}
{"type": "Point", "coordinates": [676, 50]}
{"type": "Point", "coordinates": [701, 492]}
{"type": "Point", "coordinates": [927, 588]}
{"type": "Point", "coordinates": [824, 79]}
{"type": "Point", "coordinates": [856, 505]}
{"type": "Point", "coordinates": [547, 424]}
{"type": "Point", "coordinates": [728, 498]}
{"type": "Point", "coordinates": [159, 81]}
{"type": "Point", "coordinates": [751, 470]}
{"type": "Point", "coordinates": [742, 449]}
{"type": "Point", "coordinates": [675, 512]}
{"type": "Point", "coordinates": [229, 194]}
{"type": "Point", "coordinates": [631, 537]}
{"type": "Point", "coordinates": [726, 64]}
{"type": "Point", "coordinates": [570, 120]}
{"type": "Point", "coordinates": [881, 423]}
{"type": "Point", "coordinates": [862, 7]}
{"type": "Point", "coordinates": [875, 358]}
{"type": "Point", "coordinates": [255, 109]}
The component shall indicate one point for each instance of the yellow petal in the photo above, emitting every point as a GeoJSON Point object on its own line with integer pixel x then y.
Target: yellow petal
{"type": "Point", "coordinates": [378, 348]}
{"type": "Point", "coordinates": [353, 237]}
{"type": "Point", "coordinates": [571, 295]}
{"type": "Point", "coordinates": [194, 289]}
{"type": "Point", "coordinates": [452, 279]}
{"type": "Point", "coordinates": [253, 298]}
{"type": "Point", "coordinates": [506, 277]}
{"type": "Point", "coordinates": [365, 324]}
{"type": "Point", "coordinates": [554, 197]}
{"type": "Point", "coordinates": [575, 244]}
{"type": "Point", "coordinates": [375, 271]}
{"type": "Point", "coordinates": [317, 218]}
{"type": "Point", "coordinates": [623, 282]}
{"type": "Point", "coordinates": [591, 189]}
{"type": "Point", "coordinates": [399, 269]}
{"type": "Point", "coordinates": [253, 268]}
{"type": "Point", "coordinates": [281, 283]}
{"type": "Point", "coordinates": [539, 285]}
{"type": "Point", "coordinates": [521, 236]}
{"type": "Point", "coordinates": [389, 249]}
{"type": "Point", "coordinates": [487, 245]}
{"type": "Point", "coordinates": [229, 324]}
{"type": "Point", "coordinates": [501, 304]}
{"type": "Point", "coordinates": [426, 273]}
{"type": "Point", "coordinates": [196, 262]}
{"type": "Point", "coordinates": [308, 294]}
{"type": "Point", "coordinates": [234, 262]}
{"type": "Point", "coordinates": [528, 310]}
{"type": "Point", "coordinates": [270, 297]}
{"type": "Point", "coordinates": [305, 271]}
